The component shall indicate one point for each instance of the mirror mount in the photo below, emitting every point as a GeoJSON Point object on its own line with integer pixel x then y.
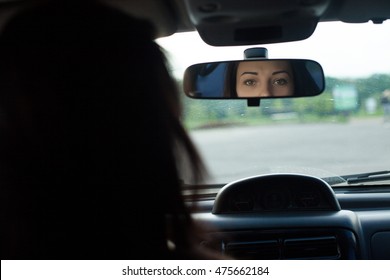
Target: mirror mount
{"type": "Point", "coordinates": [255, 53]}
{"type": "Point", "coordinates": [253, 102]}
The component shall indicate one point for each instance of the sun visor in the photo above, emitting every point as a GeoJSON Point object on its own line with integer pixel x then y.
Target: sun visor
{"type": "Point", "coordinates": [244, 22]}
{"type": "Point", "coordinates": [255, 33]}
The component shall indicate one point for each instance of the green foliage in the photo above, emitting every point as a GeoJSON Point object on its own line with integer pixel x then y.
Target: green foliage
{"type": "Point", "coordinates": [373, 86]}
{"type": "Point", "coordinates": [322, 105]}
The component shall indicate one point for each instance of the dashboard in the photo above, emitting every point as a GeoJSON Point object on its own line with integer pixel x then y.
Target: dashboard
{"type": "Point", "coordinates": [295, 216]}
{"type": "Point", "coordinates": [275, 192]}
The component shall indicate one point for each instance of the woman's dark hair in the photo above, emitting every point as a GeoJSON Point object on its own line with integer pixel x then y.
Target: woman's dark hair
{"type": "Point", "coordinates": [305, 84]}
{"type": "Point", "coordinates": [91, 138]}
{"type": "Point", "coordinates": [231, 80]}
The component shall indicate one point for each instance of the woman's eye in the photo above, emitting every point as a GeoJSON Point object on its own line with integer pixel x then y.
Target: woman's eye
{"type": "Point", "coordinates": [280, 82]}
{"type": "Point", "coordinates": [250, 83]}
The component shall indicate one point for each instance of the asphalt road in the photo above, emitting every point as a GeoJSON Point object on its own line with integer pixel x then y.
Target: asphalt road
{"type": "Point", "coordinates": [323, 149]}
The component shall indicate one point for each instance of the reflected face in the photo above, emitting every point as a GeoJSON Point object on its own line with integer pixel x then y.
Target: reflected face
{"type": "Point", "coordinates": [264, 79]}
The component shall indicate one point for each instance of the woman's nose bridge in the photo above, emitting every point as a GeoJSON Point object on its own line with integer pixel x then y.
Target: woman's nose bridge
{"type": "Point", "coordinates": [264, 87]}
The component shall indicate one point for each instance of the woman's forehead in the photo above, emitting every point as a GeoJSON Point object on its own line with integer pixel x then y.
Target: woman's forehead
{"type": "Point", "coordinates": [265, 65]}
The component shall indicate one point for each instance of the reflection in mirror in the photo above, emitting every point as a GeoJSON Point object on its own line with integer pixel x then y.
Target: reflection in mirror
{"type": "Point", "coordinates": [263, 78]}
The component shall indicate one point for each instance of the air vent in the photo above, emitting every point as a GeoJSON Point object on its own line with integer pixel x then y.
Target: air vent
{"type": "Point", "coordinates": [324, 247]}
{"type": "Point", "coordinates": [257, 250]}
{"type": "Point", "coordinates": [312, 248]}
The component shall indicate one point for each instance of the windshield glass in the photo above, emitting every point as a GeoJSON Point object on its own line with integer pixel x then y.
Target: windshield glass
{"type": "Point", "coordinates": [343, 131]}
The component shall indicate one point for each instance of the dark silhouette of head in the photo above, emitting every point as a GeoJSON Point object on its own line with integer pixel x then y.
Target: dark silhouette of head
{"type": "Point", "coordinates": [90, 138]}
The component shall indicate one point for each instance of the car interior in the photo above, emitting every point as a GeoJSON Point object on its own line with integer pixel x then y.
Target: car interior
{"type": "Point", "coordinates": [273, 214]}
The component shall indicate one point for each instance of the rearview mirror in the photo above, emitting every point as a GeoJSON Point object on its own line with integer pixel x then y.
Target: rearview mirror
{"type": "Point", "coordinates": [259, 78]}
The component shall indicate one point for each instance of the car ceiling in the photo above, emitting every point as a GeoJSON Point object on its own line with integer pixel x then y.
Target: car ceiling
{"type": "Point", "coordinates": [244, 22]}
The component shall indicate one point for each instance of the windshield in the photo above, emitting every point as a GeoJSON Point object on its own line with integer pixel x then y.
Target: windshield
{"type": "Point", "coordinates": [343, 131]}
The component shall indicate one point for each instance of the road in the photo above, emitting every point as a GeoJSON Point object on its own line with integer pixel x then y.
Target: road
{"type": "Point", "coordinates": [323, 149]}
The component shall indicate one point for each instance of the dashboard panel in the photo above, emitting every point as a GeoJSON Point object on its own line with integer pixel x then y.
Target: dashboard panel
{"type": "Point", "coordinates": [275, 192]}
{"type": "Point", "coordinates": [305, 219]}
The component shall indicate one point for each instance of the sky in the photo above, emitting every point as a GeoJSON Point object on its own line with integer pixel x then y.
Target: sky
{"type": "Point", "coordinates": [343, 50]}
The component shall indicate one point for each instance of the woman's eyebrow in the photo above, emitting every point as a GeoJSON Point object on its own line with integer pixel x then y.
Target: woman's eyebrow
{"type": "Point", "coordinates": [250, 73]}
{"type": "Point", "coordinates": [281, 71]}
